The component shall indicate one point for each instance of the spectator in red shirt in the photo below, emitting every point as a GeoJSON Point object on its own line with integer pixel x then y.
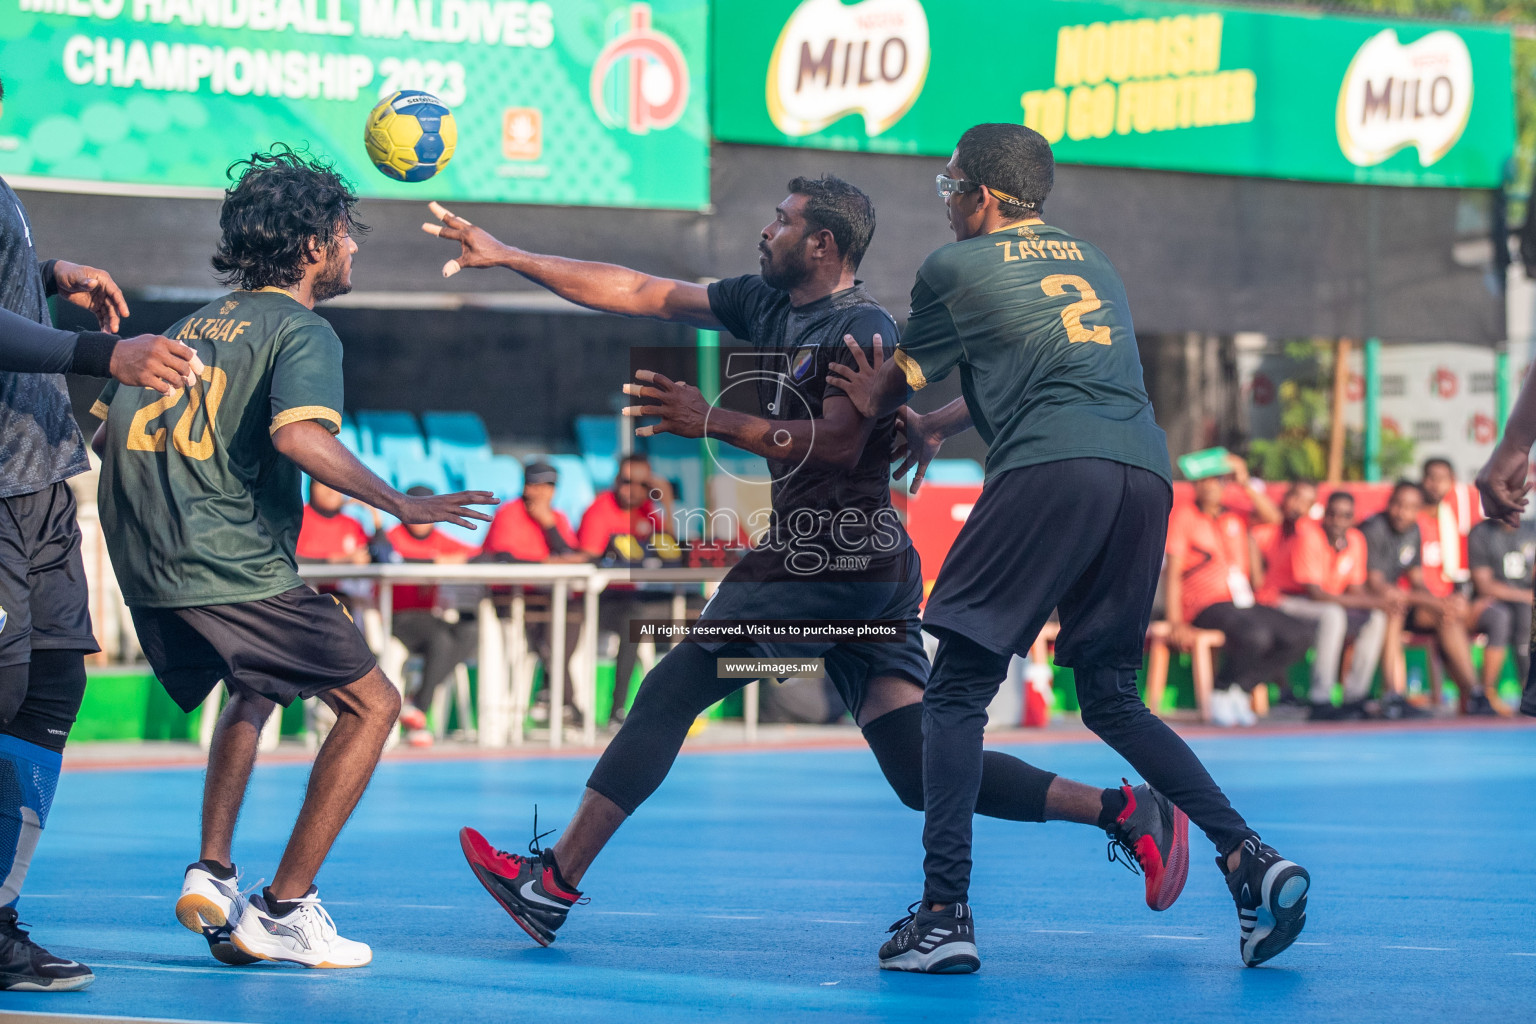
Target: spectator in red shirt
{"type": "Point", "coordinates": [1444, 524]}
{"type": "Point", "coordinates": [531, 529]}
{"type": "Point", "coordinates": [439, 635]}
{"type": "Point", "coordinates": [1319, 572]}
{"type": "Point", "coordinates": [1210, 559]}
{"type": "Point", "coordinates": [626, 510]}
{"type": "Point", "coordinates": [328, 536]}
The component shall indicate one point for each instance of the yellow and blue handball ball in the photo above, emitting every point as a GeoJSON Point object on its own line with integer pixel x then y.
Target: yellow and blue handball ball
{"type": "Point", "coordinates": [410, 135]}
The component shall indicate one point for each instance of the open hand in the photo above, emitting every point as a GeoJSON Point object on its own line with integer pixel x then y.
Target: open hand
{"type": "Point", "coordinates": [682, 408]}
{"type": "Point", "coordinates": [859, 381]}
{"type": "Point", "coordinates": [477, 246]}
{"type": "Point", "coordinates": [916, 443]}
{"type": "Point", "coordinates": [91, 289]}
{"type": "Point", "coordinates": [445, 508]}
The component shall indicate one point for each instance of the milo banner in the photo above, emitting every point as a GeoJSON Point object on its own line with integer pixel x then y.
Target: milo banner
{"type": "Point", "coordinates": [1129, 84]}
{"type": "Point", "coordinates": [597, 102]}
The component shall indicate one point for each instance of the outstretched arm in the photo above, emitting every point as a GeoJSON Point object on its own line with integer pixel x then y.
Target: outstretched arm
{"type": "Point", "coordinates": [601, 286]}
{"type": "Point", "coordinates": [836, 438]}
{"type": "Point", "coordinates": [147, 360]}
{"type": "Point", "coordinates": [312, 448]}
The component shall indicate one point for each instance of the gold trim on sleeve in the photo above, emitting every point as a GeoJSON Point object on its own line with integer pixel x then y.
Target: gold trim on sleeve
{"type": "Point", "coordinates": [330, 417]}
{"type": "Point", "coordinates": [914, 373]}
{"type": "Point", "coordinates": [100, 409]}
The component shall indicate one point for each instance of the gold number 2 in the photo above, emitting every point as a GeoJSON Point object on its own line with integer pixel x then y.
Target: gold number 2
{"type": "Point", "coordinates": [1072, 316]}
{"type": "Point", "coordinates": [141, 440]}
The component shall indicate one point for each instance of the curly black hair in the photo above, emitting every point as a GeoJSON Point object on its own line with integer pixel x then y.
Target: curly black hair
{"type": "Point", "coordinates": [279, 202]}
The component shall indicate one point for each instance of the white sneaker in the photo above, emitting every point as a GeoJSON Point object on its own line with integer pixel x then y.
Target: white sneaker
{"type": "Point", "coordinates": [306, 935]}
{"type": "Point", "coordinates": [207, 906]}
{"type": "Point", "coordinates": [1242, 704]}
{"type": "Point", "coordinates": [1223, 711]}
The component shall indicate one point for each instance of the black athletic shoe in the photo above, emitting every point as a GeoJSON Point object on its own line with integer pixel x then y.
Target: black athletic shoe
{"type": "Point", "coordinates": [526, 887]}
{"type": "Point", "coordinates": [1528, 700]}
{"type": "Point", "coordinates": [1397, 708]}
{"type": "Point", "coordinates": [932, 941]}
{"type": "Point", "coordinates": [1156, 836]}
{"type": "Point", "coordinates": [27, 967]}
{"type": "Point", "coordinates": [1479, 706]}
{"type": "Point", "coordinates": [1271, 897]}
{"type": "Point", "coordinates": [1351, 712]}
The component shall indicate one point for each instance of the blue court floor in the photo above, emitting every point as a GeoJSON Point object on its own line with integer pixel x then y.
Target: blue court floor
{"type": "Point", "coordinates": [757, 887]}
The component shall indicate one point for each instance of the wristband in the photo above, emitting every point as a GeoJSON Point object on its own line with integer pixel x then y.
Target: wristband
{"type": "Point", "coordinates": [50, 285]}
{"type": "Point", "coordinates": [93, 354]}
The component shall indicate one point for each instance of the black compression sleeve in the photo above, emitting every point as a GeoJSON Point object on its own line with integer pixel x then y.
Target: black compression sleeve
{"type": "Point", "coordinates": [93, 354]}
{"type": "Point", "coordinates": [29, 347]}
{"type": "Point", "coordinates": [50, 284]}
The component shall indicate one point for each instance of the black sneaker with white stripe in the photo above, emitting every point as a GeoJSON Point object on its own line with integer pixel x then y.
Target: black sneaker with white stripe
{"type": "Point", "coordinates": [932, 941]}
{"type": "Point", "coordinates": [27, 967]}
{"type": "Point", "coordinates": [1271, 897]}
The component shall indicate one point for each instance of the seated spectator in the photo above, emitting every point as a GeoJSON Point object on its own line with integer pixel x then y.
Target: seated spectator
{"type": "Point", "coordinates": [531, 529]}
{"type": "Point", "coordinates": [439, 635]}
{"type": "Point", "coordinates": [328, 536]}
{"type": "Point", "coordinates": [1502, 558]}
{"type": "Point", "coordinates": [1395, 561]}
{"type": "Point", "coordinates": [1444, 524]}
{"type": "Point", "coordinates": [626, 511]}
{"type": "Point", "coordinates": [1210, 563]}
{"type": "Point", "coordinates": [1318, 572]}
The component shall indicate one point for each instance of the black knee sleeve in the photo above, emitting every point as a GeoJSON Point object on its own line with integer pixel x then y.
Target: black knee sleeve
{"type": "Point", "coordinates": [1010, 788]}
{"type": "Point", "coordinates": [896, 739]}
{"type": "Point", "coordinates": [13, 690]}
{"type": "Point", "coordinates": [671, 696]}
{"type": "Point", "coordinates": [54, 689]}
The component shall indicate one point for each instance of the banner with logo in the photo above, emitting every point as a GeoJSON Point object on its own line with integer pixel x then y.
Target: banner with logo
{"type": "Point", "coordinates": [590, 102]}
{"type": "Point", "coordinates": [1124, 83]}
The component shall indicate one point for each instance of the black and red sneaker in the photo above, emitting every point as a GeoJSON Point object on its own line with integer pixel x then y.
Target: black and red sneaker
{"type": "Point", "coordinates": [1155, 834]}
{"type": "Point", "coordinates": [528, 888]}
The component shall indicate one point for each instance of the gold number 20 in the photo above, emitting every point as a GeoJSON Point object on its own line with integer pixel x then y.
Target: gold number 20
{"type": "Point", "coordinates": [141, 440]}
{"type": "Point", "coordinates": [1072, 316]}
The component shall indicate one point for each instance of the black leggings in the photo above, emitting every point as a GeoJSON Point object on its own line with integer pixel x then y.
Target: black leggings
{"type": "Point", "coordinates": [1262, 642]}
{"type": "Point", "coordinates": [965, 677]}
{"type": "Point", "coordinates": [683, 684]}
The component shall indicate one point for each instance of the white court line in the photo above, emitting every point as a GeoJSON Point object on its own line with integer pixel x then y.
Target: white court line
{"type": "Point", "coordinates": [1421, 949]}
{"type": "Point", "coordinates": [1298, 942]}
{"type": "Point", "coordinates": [94, 896]}
{"type": "Point", "coordinates": [1058, 931]}
{"type": "Point", "coordinates": [195, 970]}
{"type": "Point", "coordinates": [397, 906]}
{"type": "Point", "coordinates": [1178, 938]}
{"type": "Point", "coordinates": [826, 983]}
{"type": "Point", "coordinates": [729, 917]}
{"type": "Point", "coordinates": [828, 920]}
{"type": "Point", "coordinates": [625, 913]}
{"type": "Point", "coordinates": [1522, 954]}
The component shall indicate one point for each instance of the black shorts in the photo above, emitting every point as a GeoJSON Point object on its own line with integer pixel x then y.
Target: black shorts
{"type": "Point", "coordinates": [43, 601]}
{"type": "Point", "coordinates": [896, 593]}
{"type": "Point", "coordinates": [1082, 535]}
{"type": "Point", "coordinates": [296, 644]}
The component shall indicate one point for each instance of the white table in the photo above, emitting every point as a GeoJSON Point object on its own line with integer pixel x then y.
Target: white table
{"type": "Point", "coordinates": [499, 720]}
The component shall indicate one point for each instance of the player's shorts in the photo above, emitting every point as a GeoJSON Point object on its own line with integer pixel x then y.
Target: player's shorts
{"type": "Point", "coordinates": [895, 593]}
{"type": "Point", "coordinates": [294, 645]}
{"type": "Point", "coordinates": [43, 601]}
{"type": "Point", "coordinates": [1084, 536]}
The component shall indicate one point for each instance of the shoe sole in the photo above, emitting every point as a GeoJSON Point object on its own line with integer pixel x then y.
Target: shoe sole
{"type": "Point", "coordinates": [952, 958]}
{"type": "Point", "coordinates": [1176, 871]}
{"type": "Point", "coordinates": [324, 965]}
{"type": "Point", "coordinates": [198, 913]}
{"type": "Point", "coordinates": [56, 985]}
{"type": "Point", "coordinates": [486, 878]}
{"type": "Point", "coordinates": [1281, 915]}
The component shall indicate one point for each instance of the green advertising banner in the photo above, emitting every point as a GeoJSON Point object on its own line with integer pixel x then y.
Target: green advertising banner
{"type": "Point", "coordinates": [1125, 83]}
{"type": "Point", "coordinates": [591, 102]}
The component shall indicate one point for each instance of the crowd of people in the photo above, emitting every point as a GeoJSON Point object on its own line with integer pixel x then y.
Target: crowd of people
{"type": "Point", "coordinates": [620, 526]}
{"type": "Point", "coordinates": [1279, 581]}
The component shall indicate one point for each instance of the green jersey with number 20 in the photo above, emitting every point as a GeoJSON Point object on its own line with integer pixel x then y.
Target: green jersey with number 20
{"type": "Point", "coordinates": [197, 505]}
{"type": "Point", "coordinates": [1038, 324]}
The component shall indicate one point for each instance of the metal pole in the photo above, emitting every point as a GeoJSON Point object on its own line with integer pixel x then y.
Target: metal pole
{"type": "Point", "coordinates": [1501, 385]}
{"type": "Point", "coordinates": [1372, 409]}
{"type": "Point", "coordinates": [709, 385]}
{"type": "Point", "coordinates": [1340, 394]}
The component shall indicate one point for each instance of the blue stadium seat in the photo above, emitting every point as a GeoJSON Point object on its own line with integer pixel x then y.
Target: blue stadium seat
{"type": "Point", "coordinates": [954, 471]}
{"type": "Point", "coordinates": [393, 433]}
{"type": "Point", "coordinates": [670, 446]}
{"type": "Point", "coordinates": [602, 469]}
{"type": "Point", "coordinates": [598, 435]}
{"type": "Point", "coordinates": [574, 491]}
{"type": "Point", "coordinates": [502, 475]}
{"type": "Point", "coordinates": [422, 472]}
{"type": "Point", "coordinates": [687, 476]}
{"type": "Point", "coordinates": [348, 435]}
{"type": "Point", "coordinates": [454, 437]}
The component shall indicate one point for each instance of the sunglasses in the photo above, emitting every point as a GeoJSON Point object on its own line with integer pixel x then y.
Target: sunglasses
{"type": "Point", "coordinates": [948, 186]}
{"type": "Point", "coordinates": [629, 480]}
